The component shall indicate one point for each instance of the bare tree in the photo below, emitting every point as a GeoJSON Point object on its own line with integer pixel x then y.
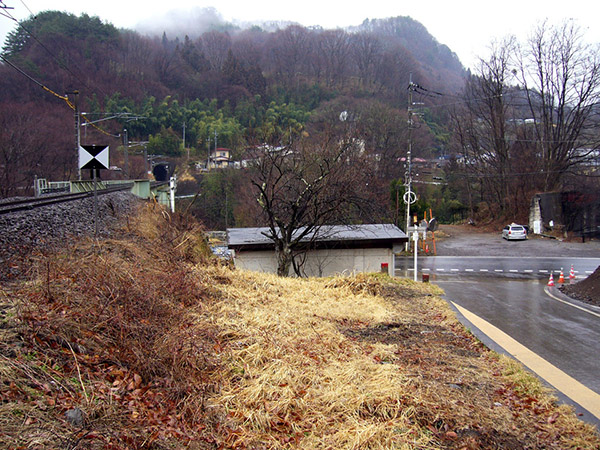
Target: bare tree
{"type": "Point", "coordinates": [483, 128]}
{"type": "Point", "coordinates": [366, 51]}
{"type": "Point", "coordinates": [288, 51]}
{"type": "Point", "coordinates": [561, 76]}
{"type": "Point", "coordinates": [333, 49]}
{"type": "Point", "coordinates": [215, 46]}
{"type": "Point", "coordinates": [306, 186]}
{"type": "Point", "coordinates": [29, 147]}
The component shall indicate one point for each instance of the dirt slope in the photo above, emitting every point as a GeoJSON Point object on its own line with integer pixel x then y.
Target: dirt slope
{"type": "Point", "coordinates": [142, 341]}
{"type": "Point", "coordinates": [586, 290]}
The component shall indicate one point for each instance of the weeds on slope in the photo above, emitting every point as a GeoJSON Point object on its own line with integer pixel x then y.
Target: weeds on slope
{"type": "Point", "coordinates": [144, 341]}
{"type": "Point", "coordinates": [98, 333]}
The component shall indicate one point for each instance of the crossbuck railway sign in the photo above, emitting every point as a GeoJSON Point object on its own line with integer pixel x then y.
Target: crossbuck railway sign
{"type": "Point", "coordinates": [93, 156]}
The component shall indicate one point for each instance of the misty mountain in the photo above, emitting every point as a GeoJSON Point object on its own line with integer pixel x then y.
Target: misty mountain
{"type": "Point", "coordinates": [256, 84]}
{"type": "Point", "coordinates": [403, 31]}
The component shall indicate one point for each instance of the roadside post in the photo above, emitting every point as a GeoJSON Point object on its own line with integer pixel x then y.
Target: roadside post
{"type": "Point", "coordinates": [172, 189]}
{"type": "Point", "coordinates": [409, 198]}
{"type": "Point", "coordinates": [433, 226]}
{"type": "Point", "coordinates": [415, 237]}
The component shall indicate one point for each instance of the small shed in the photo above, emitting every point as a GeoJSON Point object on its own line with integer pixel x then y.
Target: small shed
{"type": "Point", "coordinates": [333, 249]}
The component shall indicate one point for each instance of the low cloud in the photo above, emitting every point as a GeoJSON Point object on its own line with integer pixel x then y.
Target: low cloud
{"type": "Point", "coordinates": [179, 23]}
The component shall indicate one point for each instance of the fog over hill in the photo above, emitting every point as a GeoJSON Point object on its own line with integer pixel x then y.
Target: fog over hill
{"type": "Point", "coordinates": [433, 56]}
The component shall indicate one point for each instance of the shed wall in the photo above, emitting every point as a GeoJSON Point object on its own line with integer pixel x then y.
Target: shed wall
{"type": "Point", "coordinates": [321, 262]}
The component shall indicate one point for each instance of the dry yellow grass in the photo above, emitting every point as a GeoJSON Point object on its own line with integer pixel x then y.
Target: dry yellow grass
{"type": "Point", "coordinates": [310, 364]}
{"type": "Point", "coordinates": [164, 348]}
{"type": "Point", "coordinates": [292, 370]}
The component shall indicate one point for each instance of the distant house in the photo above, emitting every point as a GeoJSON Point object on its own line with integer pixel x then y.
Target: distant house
{"type": "Point", "coordinates": [334, 249]}
{"type": "Point", "coordinates": [220, 158]}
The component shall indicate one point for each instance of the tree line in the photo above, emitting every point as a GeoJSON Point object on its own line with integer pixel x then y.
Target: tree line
{"type": "Point", "coordinates": [523, 122]}
{"type": "Point", "coordinates": [247, 86]}
{"type": "Point", "coordinates": [529, 122]}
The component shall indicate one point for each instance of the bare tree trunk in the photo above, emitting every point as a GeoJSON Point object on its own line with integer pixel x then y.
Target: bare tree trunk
{"type": "Point", "coordinates": [284, 261]}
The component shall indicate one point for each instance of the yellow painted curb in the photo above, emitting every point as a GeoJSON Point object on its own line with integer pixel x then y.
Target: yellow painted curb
{"type": "Point", "coordinates": [566, 384]}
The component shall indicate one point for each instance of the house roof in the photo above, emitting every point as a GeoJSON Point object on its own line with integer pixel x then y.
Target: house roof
{"type": "Point", "coordinates": [328, 236]}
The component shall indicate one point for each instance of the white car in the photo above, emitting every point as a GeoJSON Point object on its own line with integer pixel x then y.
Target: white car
{"type": "Point", "coordinates": [514, 232]}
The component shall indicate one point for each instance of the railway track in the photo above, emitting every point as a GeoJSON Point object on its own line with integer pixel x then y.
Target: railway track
{"type": "Point", "coordinates": [24, 204]}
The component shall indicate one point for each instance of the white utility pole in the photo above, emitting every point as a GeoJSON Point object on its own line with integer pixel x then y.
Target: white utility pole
{"type": "Point", "coordinates": [126, 152]}
{"type": "Point", "coordinates": [408, 173]}
{"type": "Point", "coordinates": [208, 154]}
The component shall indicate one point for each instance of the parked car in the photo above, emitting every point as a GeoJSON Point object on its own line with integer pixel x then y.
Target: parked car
{"type": "Point", "coordinates": [514, 232]}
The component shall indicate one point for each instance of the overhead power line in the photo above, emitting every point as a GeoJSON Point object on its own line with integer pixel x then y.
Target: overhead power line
{"type": "Point", "coordinates": [44, 87]}
{"type": "Point", "coordinates": [62, 97]}
{"type": "Point", "coordinates": [54, 57]}
{"type": "Point", "coordinates": [27, 7]}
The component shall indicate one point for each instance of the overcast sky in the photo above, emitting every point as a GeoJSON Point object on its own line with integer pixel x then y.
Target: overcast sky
{"type": "Point", "coordinates": [466, 26]}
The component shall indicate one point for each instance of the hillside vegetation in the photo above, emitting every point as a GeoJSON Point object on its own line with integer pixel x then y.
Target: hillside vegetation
{"type": "Point", "coordinates": [180, 96]}
{"type": "Point", "coordinates": [145, 341]}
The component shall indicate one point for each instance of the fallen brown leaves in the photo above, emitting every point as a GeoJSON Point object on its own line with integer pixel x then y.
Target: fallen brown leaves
{"type": "Point", "coordinates": [161, 347]}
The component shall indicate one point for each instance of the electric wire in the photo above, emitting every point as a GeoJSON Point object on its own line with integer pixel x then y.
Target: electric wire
{"type": "Point", "coordinates": [54, 57]}
{"type": "Point", "coordinates": [27, 7]}
{"type": "Point", "coordinates": [50, 91]}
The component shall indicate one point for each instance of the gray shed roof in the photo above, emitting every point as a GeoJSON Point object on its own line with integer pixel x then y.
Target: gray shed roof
{"type": "Point", "coordinates": [328, 236]}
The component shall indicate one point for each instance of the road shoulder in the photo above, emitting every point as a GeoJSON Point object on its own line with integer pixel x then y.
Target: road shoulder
{"type": "Point", "coordinates": [586, 401]}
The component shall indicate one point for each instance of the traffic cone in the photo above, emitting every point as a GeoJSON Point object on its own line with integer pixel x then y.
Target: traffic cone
{"type": "Point", "coordinates": [572, 273]}
{"type": "Point", "coordinates": [551, 280]}
{"type": "Point", "coordinates": [561, 278]}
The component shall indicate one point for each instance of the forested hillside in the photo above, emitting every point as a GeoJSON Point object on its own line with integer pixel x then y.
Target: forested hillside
{"type": "Point", "coordinates": [524, 122]}
{"type": "Point", "coordinates": [243, 87]}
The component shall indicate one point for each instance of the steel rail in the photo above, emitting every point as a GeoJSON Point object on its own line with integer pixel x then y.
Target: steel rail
{"type": "Point", "coordinates": [37, 202]}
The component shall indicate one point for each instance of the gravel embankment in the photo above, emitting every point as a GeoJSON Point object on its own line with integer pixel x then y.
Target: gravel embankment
{"type": "Point", "coordinates": [40, 229]}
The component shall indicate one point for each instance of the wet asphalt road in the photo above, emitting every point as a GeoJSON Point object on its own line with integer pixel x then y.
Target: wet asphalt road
{"type": "Point", "coordinates": [504, 283]}
{"type": "Point", "coordinates": [439, 267]}
{"type": "Point", "coordinates": [457, 240]}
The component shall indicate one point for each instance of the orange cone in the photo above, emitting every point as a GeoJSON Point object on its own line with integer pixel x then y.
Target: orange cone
{"type": "Point", "coordinates": [572, 273]}
{"type": "Point", "coordinates": [551, 280]}
{"type": "Point", "coordinates": [561, 278]}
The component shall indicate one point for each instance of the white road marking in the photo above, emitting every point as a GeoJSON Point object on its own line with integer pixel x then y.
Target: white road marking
{"type": "Point", "coordinates": [453, 270]}
{"type": "Point", "coordinates": [550, 294]}
{"type": "Point", "coordinates": [513, 271]}
{"type": "Point", "coordinates": [528, 271]}
{"type": "Point", "coordinates": [468, 270]}
{"type": "Point", "coordinates": [483, 270]}
{"type": "Point", "coordinates": [498, 270]}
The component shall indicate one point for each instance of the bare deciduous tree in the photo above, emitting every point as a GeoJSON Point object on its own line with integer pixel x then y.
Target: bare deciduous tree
{"type": "Point", "coordinates": [528, 122]}
{"type": "Point", "coordinates": [561, 76]}
{"type": "Point", "coordinates": [306, 186]}
{"type": "Point", "coordinates": [366, 52]}
{"type": "Point", "coordinates": [215, 46]}
{"type": "Point", "coordinates": [483, 128]}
